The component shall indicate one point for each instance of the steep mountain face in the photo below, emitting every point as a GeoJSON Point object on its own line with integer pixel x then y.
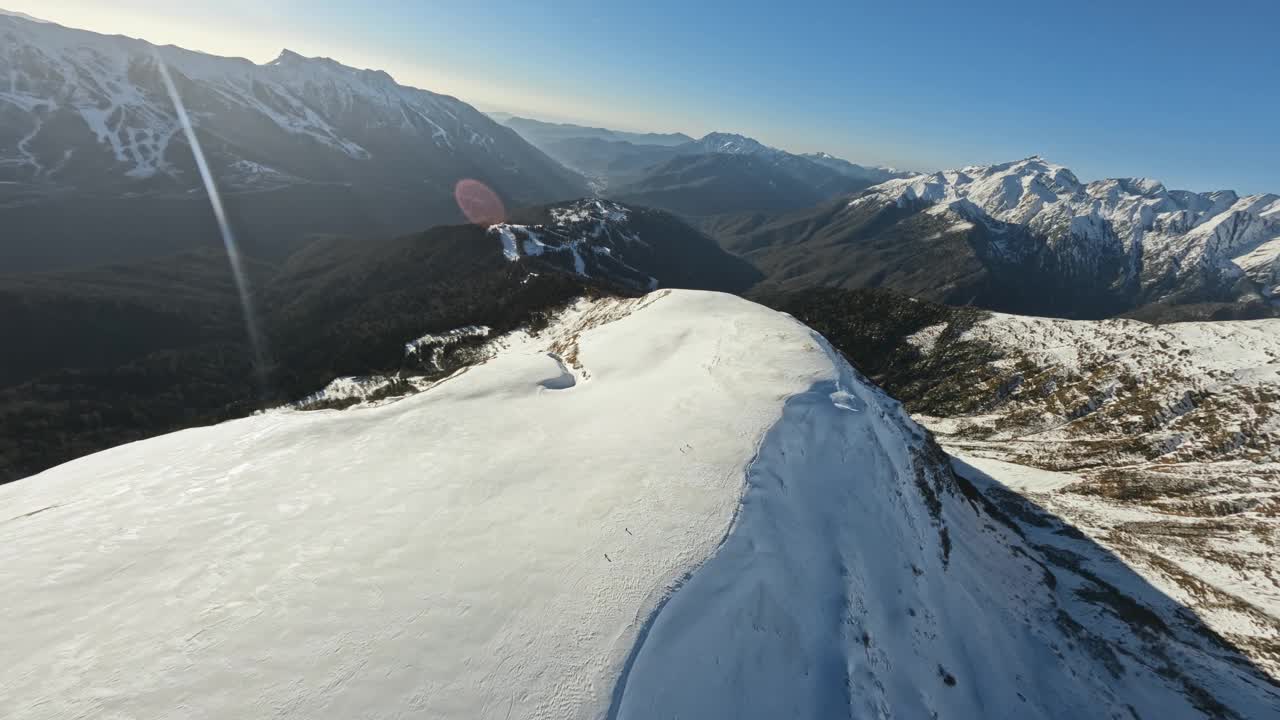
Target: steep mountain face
{"type": "Point", "coordinates": [681, 505]}
{"type": "Point", "coordinates": [1160, 244]}
{"type": "Point", "coordinates": [1025, 237]}
{"type": "Point", "coordinates": [1160, 443]}
{"type": "Point", "coordinates": [117, 354]}
{"type": "Point", "coordinates": [837, 244]}
{"type": "Point", "coordinates": [86, 122]}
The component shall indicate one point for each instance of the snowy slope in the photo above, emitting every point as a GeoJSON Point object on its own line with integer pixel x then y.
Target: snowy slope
{"type": "Point", "coordinates": [79, 107]}
{"type": "Point", "coordinates": [1161, 242]}
{"type": "Point", "coordinates": [1161, 442]}
{"type": "Point", "coordinates": [444, 556]}
{"type": "Point", "coordinates": [683, 505]}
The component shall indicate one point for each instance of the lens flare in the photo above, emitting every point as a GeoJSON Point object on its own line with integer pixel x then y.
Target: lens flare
{"type": "Point", "coordinates": [224, 225]}
{"type": "Point", "coordinates": [478, 203]}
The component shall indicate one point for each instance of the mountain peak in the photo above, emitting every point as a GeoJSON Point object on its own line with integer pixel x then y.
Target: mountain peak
{"type": "Point", "coordinates": [289, 57]}
{"type": "Point", "coordinates": [1033, 163]}
{"type": "Point", "coordinates": [732, 143]}
{"type": "Point", "coordinates": [298, 62]}
{"type": "Point", "coordinates": [22, 16]}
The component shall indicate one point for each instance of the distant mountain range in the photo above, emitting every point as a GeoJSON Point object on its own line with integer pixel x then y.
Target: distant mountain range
{"type": "Point", "coordinates": [90, 139]}
{"type": "Point", "coordinates": [718, 173]}
{"type": "Point", "coordinates": [1028, 237]}
{"type": "Point", "coordinates": [726, 173]}
{"type": "Point", "coordinates": [539, 132]}
{"type": "Point", "coordinates": [872, 174]}
{"type": "Point", "coordinates": [717, 183]}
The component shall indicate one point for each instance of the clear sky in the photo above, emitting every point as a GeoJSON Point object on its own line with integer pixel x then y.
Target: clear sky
{"type": "Point", "coordinates": [1186, 92]}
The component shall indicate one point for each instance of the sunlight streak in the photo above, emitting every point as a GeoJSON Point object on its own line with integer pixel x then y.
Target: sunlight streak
{"type": "Point", "coordinates": [224, 225]}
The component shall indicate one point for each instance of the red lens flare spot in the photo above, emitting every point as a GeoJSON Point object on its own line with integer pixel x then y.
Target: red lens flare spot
{"type": "Point", "coordinates": [481, 205]}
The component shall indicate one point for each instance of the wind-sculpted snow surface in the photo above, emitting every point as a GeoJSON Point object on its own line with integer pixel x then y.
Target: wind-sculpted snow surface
{"type": "Point", "coordinates": [683, 505]}
{"type": "Point", "coordinates": [847, 590]}
{"type": "Point", "coordinates": [485, 549]}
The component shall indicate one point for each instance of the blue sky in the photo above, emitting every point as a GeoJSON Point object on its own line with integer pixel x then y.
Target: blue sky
{"type": "Point", "coordinates": [1188, 93]}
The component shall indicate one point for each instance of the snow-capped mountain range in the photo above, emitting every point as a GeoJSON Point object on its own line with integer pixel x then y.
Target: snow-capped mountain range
{"type": "Point", "coordinates": [90, 111]}
{"type": "Point", "coordinates": [1159, 243]}
{"type": "Point", "coordinates": [675, 505]}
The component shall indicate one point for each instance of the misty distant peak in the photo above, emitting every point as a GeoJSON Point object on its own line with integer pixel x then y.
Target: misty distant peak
{"type": "Point", "coordinates": [733, 144]}
{"type": "Point", "coordinates": [23, 16]}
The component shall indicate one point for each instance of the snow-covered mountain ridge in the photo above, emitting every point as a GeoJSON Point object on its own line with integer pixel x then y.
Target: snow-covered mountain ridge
{"type": "Point", "coordinates": [1158, 242]}
{"type": "Point", "coordinates": [681, 505]}
{"type": "Point", "coordinates": [78, 108]}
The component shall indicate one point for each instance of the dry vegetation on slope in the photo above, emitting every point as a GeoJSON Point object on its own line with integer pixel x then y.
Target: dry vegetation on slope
{"type": "Point", "coordinates": [1160, 442]}
{"type": "Point", "coordinates": [1168, 435]}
